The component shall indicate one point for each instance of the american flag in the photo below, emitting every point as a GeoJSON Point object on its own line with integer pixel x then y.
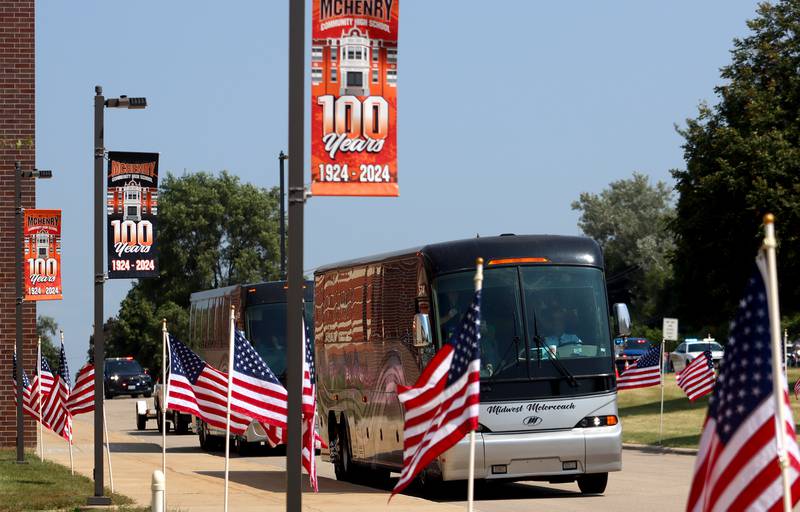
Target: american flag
{"type": "Point", "coordinates": [443, 405]}
{"type": "Point", "coordinates": [81, 399]}
{"type": "Point", "coordinates": [309, 408]}
{"type": "Point", "coordinates": [46, 377]}
{"type": "Point", "coordinates": [256, 391]}
{"type": "Point", "coordinates": [29, 405]}
{"type": "Point", "coordinates": [737, 464]}
{"type": "Point", "coordinates": [195, 387]}
{"type": "Point", "coordinates": [697, 379]}
{"type": "Point", "coordinates": [55, 415]}
{"type": "Point", "coordinates": [646, 371]}
{"type": "Point", "coordinates": [797, 388]}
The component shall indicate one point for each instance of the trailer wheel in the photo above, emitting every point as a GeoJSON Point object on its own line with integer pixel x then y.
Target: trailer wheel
{"type": "Point", "coordinates": [181, 425]}
{"type": "Point", "coordinates": [160, 422]}
{"type": "Point", "coordinates": [141, 421]}
{"type": "Point", "coordinates": [593, 483]}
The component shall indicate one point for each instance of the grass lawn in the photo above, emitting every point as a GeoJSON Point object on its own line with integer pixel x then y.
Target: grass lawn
{"type": "Point", "coordinates": [683, 420]}
{"type": "Point", "coordinates": [44, 485]}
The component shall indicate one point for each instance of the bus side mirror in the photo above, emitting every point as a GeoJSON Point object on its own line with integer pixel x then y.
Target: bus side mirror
{"type": "Point", "coordinates": [422, 330]}
{"type": "Point", "coordinates": [623, 320]}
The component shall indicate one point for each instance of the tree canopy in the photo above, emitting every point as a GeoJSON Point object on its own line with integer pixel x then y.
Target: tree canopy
{"type": "Point", "coordinates": [46, 329]}
{"type": "Point", "coordinates": [212, 231]}
{"type": "Point", "coordinates": [630, 220]}
{"type": "Point", "coordinates": [742, 161]}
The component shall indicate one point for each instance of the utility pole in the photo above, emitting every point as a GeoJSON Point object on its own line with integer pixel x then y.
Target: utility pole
{"type": "Point", "coordinates": [294, 351]}
{"type": "Point", "coordinates": [99, 278]}
{"type": "Point", "coordinates": [282, 158]}
{"type": "Point", "coordinates": [18, 211]}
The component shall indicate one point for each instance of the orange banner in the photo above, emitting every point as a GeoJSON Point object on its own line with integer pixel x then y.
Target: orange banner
{"type": "Point", "coordinates": [354, 98]}
{"type": "Point", "coordinates": [42, 254]}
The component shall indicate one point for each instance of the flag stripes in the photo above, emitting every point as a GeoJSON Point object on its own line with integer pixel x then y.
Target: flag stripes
{"type": "Point", "coordinates": [81, 399]}
{"type": "Point", "coordinates": [697, 379]}
{"type": "Point", "coordinates": [645, 372]}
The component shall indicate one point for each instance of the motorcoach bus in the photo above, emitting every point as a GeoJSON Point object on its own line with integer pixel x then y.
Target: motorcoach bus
{"type": "Point", "coordinates": [548, 390]}
{"type": "Point", "coordinates": [261, 313]}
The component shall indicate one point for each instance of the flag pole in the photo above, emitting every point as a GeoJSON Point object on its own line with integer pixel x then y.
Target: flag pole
{"type": "Point", "coordinates": [232, 326]}
{"type": "Point", "coordinates": [39, 393]}
{"type": "Point", "coordinates": [108, 447]}
{"type": "Point", "coordinates": [164, 409]}
{"type": "Point", "coordinates": [777, 376]}
{"type": "Point", "coordinates": [661, 416]}
{"type": "Point", "coordinates": [471, 477]}
{"type": "Point", "coordinates": [69, 441]}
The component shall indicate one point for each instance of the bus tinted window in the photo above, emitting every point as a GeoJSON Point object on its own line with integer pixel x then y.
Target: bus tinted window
{"type": "Point", "coordinates": [566, 309]}
{"type": "Point", "coordinates": [266, 330]}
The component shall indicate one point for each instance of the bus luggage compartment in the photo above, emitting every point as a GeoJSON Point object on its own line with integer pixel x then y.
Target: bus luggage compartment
{"type": "Point", "coordinates": [557, 453]}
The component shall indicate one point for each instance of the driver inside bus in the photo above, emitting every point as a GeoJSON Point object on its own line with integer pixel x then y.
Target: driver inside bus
{"type": "Point", "coordinates": [558, 333]}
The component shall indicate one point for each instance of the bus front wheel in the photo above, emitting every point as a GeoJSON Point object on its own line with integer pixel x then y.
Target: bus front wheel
{"type": "Point", "coordinates": [340, 451]}
{"type": "Point", "coordinates": [593, 484]}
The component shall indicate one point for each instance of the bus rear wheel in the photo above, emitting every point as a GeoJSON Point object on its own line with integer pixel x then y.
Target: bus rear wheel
{"type": "Point", "coordinates": [593, 484]}
{"type": "Point", "coordinates": [340, 453]}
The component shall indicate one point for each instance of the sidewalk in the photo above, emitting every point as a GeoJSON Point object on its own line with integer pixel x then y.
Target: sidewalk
{"type": "Point", "coordinates": [195, 480]}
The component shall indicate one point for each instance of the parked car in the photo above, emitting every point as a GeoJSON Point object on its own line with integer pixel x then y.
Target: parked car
{"type": "Point", "coordinates": [628, 350]}
{"type": "Point", "coordinates": [693, 347]}
{"type": "Point", "coordinates": [125, 376]}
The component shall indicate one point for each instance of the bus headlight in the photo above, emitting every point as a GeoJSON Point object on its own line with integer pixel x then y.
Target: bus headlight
{"type": "Point", "coordinates": [597, 421]}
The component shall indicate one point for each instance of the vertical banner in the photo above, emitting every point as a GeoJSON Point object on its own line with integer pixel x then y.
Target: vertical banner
{"type": "Point", "coordinates": [42, 254]}
{"type": "Point", "coordinates": [354, 98]}
{"type": "Point", "coordinates": [132, 203]}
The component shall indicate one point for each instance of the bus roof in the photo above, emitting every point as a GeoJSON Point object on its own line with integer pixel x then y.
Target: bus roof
{"type": "Point", "coordinates": [256, 293]}
{"type": "Point", "coordinates": [458, 255]}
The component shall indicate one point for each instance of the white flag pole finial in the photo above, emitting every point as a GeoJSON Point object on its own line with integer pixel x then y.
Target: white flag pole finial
{"type": "Point", "coordinates": [164, 408]}
{"type": "Point", "coordinates": [770, 243]}
{"type": "Point", "coordinates": [471, 477]}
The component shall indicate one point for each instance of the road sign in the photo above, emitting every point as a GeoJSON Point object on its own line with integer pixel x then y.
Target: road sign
{"type": "Point", "coordinates": [670, 329]}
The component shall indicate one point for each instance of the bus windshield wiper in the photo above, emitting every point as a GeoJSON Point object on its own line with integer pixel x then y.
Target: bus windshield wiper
{"type": "Point", "coordinates": [551, 356]}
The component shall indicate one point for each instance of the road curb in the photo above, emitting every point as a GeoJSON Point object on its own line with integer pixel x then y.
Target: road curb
{"type": "Point", "coordinates": [649, 448]}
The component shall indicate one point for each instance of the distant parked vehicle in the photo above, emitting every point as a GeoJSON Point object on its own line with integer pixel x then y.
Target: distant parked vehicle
{"type": "Point", "coordinates": [628, 350]}
{"type": "Point", "coordinates": [693, 347]}
{"type": "Point", "coordinates": [125, 376]}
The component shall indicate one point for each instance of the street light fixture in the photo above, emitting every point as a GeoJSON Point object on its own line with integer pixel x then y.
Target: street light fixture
{"type": "Point", "coordinates": [19, 211]}
{"type": "Point", "coordinates": [100, 103]}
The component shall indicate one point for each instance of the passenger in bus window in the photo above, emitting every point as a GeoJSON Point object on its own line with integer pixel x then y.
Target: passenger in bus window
{"type": "Point", "coordinates": [448, 321]}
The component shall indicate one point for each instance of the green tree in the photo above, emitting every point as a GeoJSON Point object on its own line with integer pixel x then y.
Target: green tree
{"type": "Point", "coordinates": [742, 160]}
{"type": "Point", "coordinates": [629, 220]}
{"type": "Point", "coordinates": [212, 231]}
{"type": "Point", "coordinates": [47, 329]}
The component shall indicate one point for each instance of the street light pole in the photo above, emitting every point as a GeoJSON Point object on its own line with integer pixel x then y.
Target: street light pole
{"type": "Point", "coordinates": [282, 158]}
{"type": "Point", "coordinates": [99, 278]}
{"type": "Point", "coordinates": [100, 103]}
{"type": "Point", "coordinates": [18, 264]}
{"type": "Point", "coordinates": [294, 303]}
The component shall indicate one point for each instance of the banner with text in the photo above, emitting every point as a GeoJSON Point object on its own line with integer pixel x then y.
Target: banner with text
{"type": "Point", "coordinates": [42, 254]}
{"type": "Point", "coordinates": [132, 204]}
{"type": "Point", "coordinates": [354, 98]}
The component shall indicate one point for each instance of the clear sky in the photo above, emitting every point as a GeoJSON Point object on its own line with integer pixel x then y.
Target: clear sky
{"type": "Point", "coordinates": [507, 111]}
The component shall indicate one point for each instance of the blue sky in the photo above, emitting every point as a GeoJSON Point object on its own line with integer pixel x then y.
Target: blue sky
{"type": "Point", "coordinates": [506, 112]}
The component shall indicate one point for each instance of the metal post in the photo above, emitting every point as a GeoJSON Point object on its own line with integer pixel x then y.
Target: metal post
{"type": "Point", "coordinates": [99, 342]}
{"type": "Point", "coordinates": [294, 303]}
{"type": "Point", "coordinates": [282, 158]}
{"type": "Point", "coordinates": [18, 265]}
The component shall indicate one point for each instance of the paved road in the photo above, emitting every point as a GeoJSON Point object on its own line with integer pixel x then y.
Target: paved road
{"type": "Point", "coordinates": [653, 482]}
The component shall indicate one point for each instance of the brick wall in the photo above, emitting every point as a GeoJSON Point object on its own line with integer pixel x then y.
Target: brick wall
{"type": "Point", "coordinates": [17, 118]}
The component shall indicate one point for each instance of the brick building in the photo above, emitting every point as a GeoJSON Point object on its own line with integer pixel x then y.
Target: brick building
{"type": "Point", "coordinates": [17, 118]}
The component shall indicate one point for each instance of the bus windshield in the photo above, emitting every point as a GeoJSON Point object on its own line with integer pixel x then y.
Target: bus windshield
{"type": "Point", "coordinates": [536, 321]}
{"type": "Point", "coordinates": [266, 330]}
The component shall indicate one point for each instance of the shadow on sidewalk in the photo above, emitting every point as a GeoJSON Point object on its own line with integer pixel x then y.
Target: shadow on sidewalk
{"type": "Point", "coordinates": [444, 492]}
{"type": "Point", "coordinates": [150, 448]}
{"type": "Point", "coordinates": [275, 481]}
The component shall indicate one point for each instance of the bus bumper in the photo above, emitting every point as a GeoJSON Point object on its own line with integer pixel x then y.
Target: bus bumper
{"type": "Point", "coordinates": [536, 454]}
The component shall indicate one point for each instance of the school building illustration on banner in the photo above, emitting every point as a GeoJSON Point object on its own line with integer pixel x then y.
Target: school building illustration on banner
{"type": "Point", "coordinates": [132, 201]}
